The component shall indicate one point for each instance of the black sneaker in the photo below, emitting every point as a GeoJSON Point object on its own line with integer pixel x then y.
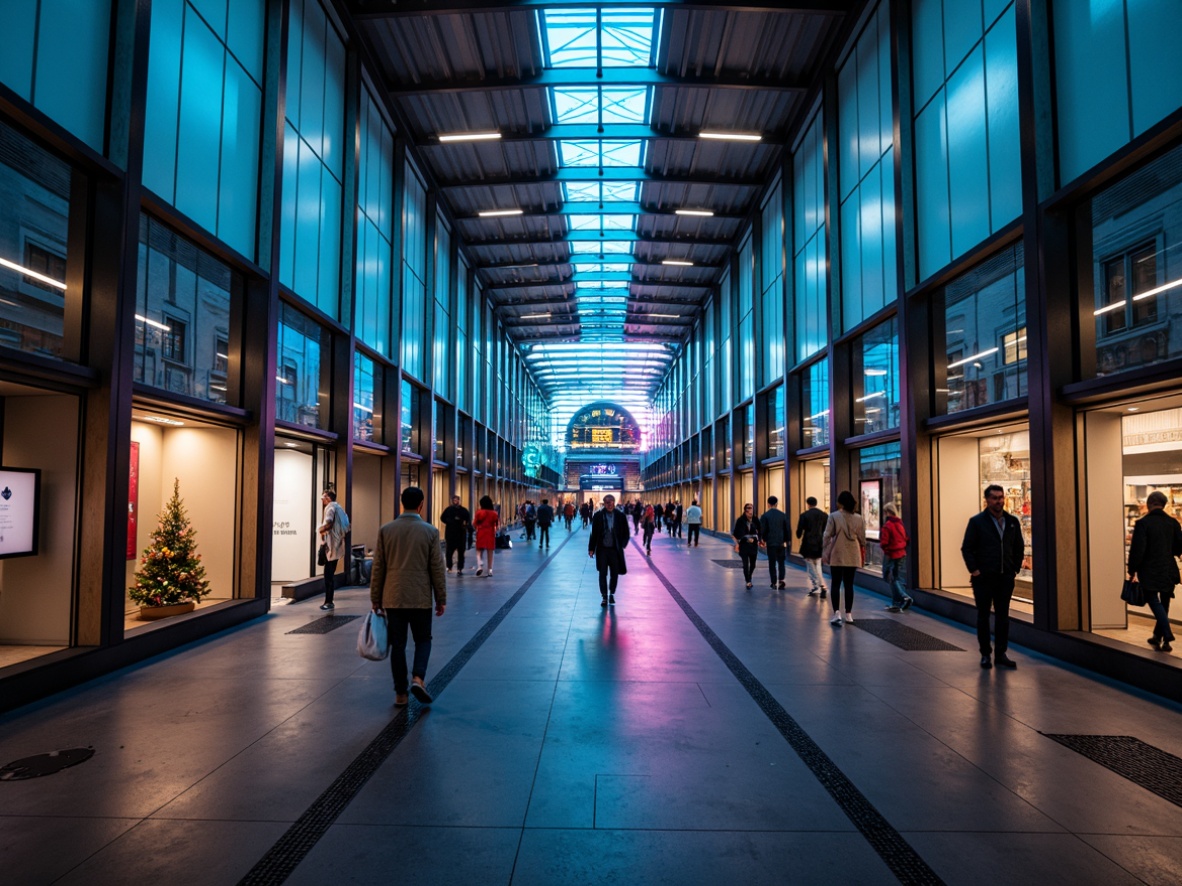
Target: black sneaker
{"type": "Point", "coordinates": [603, 603]}
{"type": "Point", "coordinates": [327, 606]}
{"type": "Point", "coordinates": [420, 692]}
{"type": "Point", "coordinates": [612, 599]}
{"type": "Point", "coordinates": [906, 604]}
{"type": "Point", "coordinates": [892, 608]}
{"type": "Point", "coordinates": [773, 585]}
{"type": "Point", "coordinates": [1004, 661]}
{"type": "Point", "coordinates": [986, 664]}
{"type": "Point", "coordinates": [783, 586]}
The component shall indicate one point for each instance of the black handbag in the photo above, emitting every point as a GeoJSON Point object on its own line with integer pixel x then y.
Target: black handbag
{"type": "Point", "coordinates": [1132, 593]}
{"type": "Point", "coordinates": [322, 555]}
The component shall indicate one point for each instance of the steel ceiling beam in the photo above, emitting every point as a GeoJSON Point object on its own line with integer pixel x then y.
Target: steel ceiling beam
{"type": "Point", "coordinates": [609, 208]}
{"type": "Point", "coordinates": [586, 131]}
{"type": "Point", "coordinates": [595, 237]}
{"type": "Point", "coordinates": [587, 258]}
{"type": "Point", "coordinates": [586, 174]}
{"type": "Point", "coordinates": [378, 10]}
{"type": "Point", "coordinates": [512, 287]}
{"type": "Point", "coordinates": [573, 78]}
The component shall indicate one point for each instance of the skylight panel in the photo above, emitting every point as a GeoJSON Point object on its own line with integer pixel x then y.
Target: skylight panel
{"type": "Point", "coordinates": [601, 222]}
{"type": "Point", "coordinates": [592, 104]}
{"type": "Point", "coordinates": [602, 268]}
{"type": "Point", "coordinates": [582, 192]}
{"type": "Point", "coordinates": [599, 152]}
{"type": "Point", "coordinates": [570, 37]}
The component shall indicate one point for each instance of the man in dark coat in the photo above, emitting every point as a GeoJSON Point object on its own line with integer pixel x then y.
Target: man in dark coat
{"type": "Point", "coordinates": [609, 537]}
{"type": "Point", "coordinates": [992, 551]}
{"type": "Point", "coordinates": [456, 522]}
{"type": "Point", "coordinates": [545, 518]}
{"type": "Point", "coordinates": [1157, 542]}
{"type": "Point", "coordinates": [810, 529]}
{"type": "Point", "coordinates": [773, 529]}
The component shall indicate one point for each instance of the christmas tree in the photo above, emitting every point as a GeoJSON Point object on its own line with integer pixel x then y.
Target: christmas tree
{"type": "Point", "coordinates": [170, 568]}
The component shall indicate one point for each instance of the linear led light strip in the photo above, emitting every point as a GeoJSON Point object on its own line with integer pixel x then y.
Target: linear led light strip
{"type": "Point", "coordinates": [972, 358]}
{"type": "Point", "coordinates": [21, 269]}
{"type": "Point", "coordinates": [701, 213]}
{"type": "Point", "coordinates": [731, 136]}
{"type": "Point", "coordinates": [677, 263]}
{"type": "Point", "coordinates": [1120, 304]}
{"type": "Point", "coordinates": [493, 213]}
{"type": "Point", "coordinates": [469, 136]}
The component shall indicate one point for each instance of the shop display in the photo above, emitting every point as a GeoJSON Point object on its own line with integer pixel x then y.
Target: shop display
{"type": "Point", "coordinates": [1005, 461]}
{"type": "Point", "coordinates": [1135, 507]}
{"type": "Point", "coordinates": [170, 573]}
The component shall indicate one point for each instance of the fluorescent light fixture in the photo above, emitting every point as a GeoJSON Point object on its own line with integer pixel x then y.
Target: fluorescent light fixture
{"type": "Point", "coordinates": [875, 372]}
{"type": "Point", "coordinates": [731, 136]}
{"type": "Point", "coordinates": [669, 316]}
{"type": "Point", "coordinates": [677, 263]}
{"type": "Point", "coordinates": [153, 323]}
{"type": "Point", "coordinates": [469, 136]}
{"type": "Point", "coordinates": [534, 316]}
{"type": "Point", "coordinates": [28, 272]}
{"type": "Point", "coordinates": [494, 213]}
{"type": "Point", "coordinates": [1149, 294]}
{"type": "Point", "coordinates": [702, 213]}
{"type": "Point", "coordinates": [875, 394]}
{"type": "Point", "coordinates": [972, 358]}
{"type": "Point", "coordinates": [161, 420]}
{"type": "Point", "coordinates": [363, 408]}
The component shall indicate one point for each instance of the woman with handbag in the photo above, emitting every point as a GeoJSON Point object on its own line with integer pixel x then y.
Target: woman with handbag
{"type": "Point", "coordinates": [844, 550]}
{"type": "Point", "coordinates": [333, 529]}
{"type": "Point", "coordinates": [485, 523]}
{"type": "Point", "coordinates": [747, 539]}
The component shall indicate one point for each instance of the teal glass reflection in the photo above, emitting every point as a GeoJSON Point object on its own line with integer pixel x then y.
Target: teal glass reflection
{"type": "Point", "coordinates": [298, 379]}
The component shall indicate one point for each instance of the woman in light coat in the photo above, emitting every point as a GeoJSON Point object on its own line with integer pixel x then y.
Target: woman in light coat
{"type": "Point", "coordinates": [848, 534]}
{"type": "Point", "coordinates": [334, 531]}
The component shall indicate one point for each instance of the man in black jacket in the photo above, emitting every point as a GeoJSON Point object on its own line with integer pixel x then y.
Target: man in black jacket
{"type": "Point", "coordinates": [1157, 542]}
{"type": "Point", "coordinates": [456, 521]}
{"type": "Point", "coordinates": [773, 529]}
{"type": "Point", "coordinates": [810, 529]}
{"type": "Point", "coordinates": [992, 551]}
{"type": "Point", "coordinates": [545, 518]}
{"type": "Point", "coordinates": [609, 537]}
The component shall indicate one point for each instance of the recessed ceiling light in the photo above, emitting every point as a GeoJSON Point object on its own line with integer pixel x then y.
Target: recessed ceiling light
{"type": "Point", "coordinates": [704, 213]}
{"type": "Point", "coordinates": [1134, 408]}
{"type": "Point", "coordinates": [492, 213]}
{"type": "Point", "coordinates": [731, 136]}
{"type": "Point", "coordinates": [676, 263]}
{"type": "Point", "coordinates": [161, 420]}
{"type": "Point", "coordinates": [469, 136]}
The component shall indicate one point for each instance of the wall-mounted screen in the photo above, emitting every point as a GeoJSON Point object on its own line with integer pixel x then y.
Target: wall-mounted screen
{"type": "Point", "coordinates": [20, 509]}
{"type": "Point", "coordinates": [603, 426]}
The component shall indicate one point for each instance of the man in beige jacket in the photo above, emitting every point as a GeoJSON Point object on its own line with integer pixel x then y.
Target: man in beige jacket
{"type": "Point", "coordinates": [408, 579]}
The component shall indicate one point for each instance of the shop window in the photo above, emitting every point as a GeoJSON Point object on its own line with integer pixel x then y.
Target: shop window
{"type": "Point", "coordinates": [461, 437]}
{"type": "Point", "coordinates": [814, 404]}
{"type": "Point", "coordinates": [876, 379]}
{"type": "Point", "coordinates": [37, 565]}
{"type": "Point", "coordinates": [199, 457]}
{"type": "Point", "coordinates": [364, 397]}
{"type": "Point", "coordinates": [409, 418]}
{"type": "Point", "coordinates": [34, 235]}
{"type": "Point", "coordinates": [724, 444]}
{"type": "Point", "coordinates": [184, 297]}
{"type": "Point", "coordinates": [1137, 279]}
{"type": "Point", "coordinates": [302, 342]}
{"type": "Point", "coordinates": [980, 325]}
{"type": "Point", "coordinates": [749, 434]}
{"type": "Point", "coordinates": [878, 484]}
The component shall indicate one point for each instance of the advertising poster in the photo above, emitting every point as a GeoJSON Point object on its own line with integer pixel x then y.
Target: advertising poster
{"type": "Point", "coordinates": [133, 498]}
{"type": "Point", "coordinates": [872, 506]}
{"type": "Point", "coordinates": [18, 511]}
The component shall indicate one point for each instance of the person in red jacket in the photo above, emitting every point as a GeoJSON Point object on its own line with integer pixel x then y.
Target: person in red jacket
{"type": "Point", "coordinates": [893, 541]}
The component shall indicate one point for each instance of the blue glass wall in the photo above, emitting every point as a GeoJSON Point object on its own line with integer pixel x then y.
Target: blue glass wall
{"type": "Point", "coordinates": [771, 283]}
{"type": "Point", "coordinates": [968, 171]}
{"type": "Point", "coordinates": [441, 379]}
{"type": "Point", "coordinates": [746, 343]}
{"type": "Point", "coordinates": [313, 156]}
{"type": "Point", "coordinates": [809, 256]}
{"type": "Point", "coordinates": [461, 317]}
{"type": "Point", "coordinates": [375, 228]}
{"type": "Point", "coordinates": [1117, 74]}
{"type": "Point", "coordinates": [414, 272]}
{"type": "Point", "coordinates": [55, 57]}
{"type": "Point", "coordinates": [204, 113]}
{"type": "Point", "coordinates": [866, 175]}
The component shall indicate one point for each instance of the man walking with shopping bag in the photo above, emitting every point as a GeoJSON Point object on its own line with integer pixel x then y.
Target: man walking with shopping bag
{"type": "Point", "coordinates": [408, 579]}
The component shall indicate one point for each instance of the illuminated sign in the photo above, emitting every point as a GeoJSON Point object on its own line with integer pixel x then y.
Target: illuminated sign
{"type": "Point", "coordinates": [20, 493]}
{"type": "Point", "coordinates": [603, 426]}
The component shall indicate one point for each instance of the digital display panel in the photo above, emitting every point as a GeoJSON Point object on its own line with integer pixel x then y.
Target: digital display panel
{"type": "Point", "coordinates": [603, 426]}
{"type": "Point", "coordinates": [20, 493]}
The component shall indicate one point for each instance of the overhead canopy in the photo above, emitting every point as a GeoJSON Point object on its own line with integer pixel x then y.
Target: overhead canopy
{"type": "Point", "coordinates": [599, 158]}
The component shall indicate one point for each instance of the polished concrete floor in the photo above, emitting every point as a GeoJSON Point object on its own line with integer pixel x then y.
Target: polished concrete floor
{"type": "Point", "coordinates": [697, 732]}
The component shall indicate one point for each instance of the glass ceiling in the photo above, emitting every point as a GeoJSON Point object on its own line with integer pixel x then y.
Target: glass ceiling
{"type": "Point", "coordinates": [590, 39]}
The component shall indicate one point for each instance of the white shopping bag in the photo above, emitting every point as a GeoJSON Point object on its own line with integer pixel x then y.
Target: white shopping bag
{"type": "Point", "coordinates": [373, 642]}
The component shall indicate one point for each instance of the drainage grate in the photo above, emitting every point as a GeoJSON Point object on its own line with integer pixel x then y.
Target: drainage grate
{"type": "Point", "coordinates": [324, 625]}
{"type": "Point", "coordinates": [1141, 763]}
{"type": "Point", "coordinates": [45, 764]}
{"type": "Point", "coordinates": [903, 636]}
{"type": "Point", "coordinates": [729, 564]}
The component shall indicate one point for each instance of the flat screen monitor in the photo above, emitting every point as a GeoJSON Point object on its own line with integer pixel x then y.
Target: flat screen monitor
{"type": "Point", "coordinates": [20, 511]}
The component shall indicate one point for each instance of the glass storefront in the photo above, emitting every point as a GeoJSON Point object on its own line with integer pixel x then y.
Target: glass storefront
{"type": "Point", "coordinates": [1145, 439]}
{"type": "Point", "coordinates": [302, 471]}
{"type": "Point", "coordinates": [1137, 270]}
{"type": "Point", "coordinates": [878, 485]}
{"type": "Point", "coordinates": [35, 191]}
{"type": "Point", "coordinates": [775, 423]}
{"type": "Point", "coordinates": [365, 395]}
{"type": "Point", "coordinates": [37, 566]}
{"type": "Point", "coordinates": [966, 464]}
{"type": "Point", "coordinates": [199, 458]}
{"type": "Point", "coordinates": [876, 379]}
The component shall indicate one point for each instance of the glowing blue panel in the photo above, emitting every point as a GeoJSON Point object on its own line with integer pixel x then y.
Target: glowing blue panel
{"type": "Point", "coordinates": [597, 105]}
{"type": "Point", "coordinates": [599, 152]}
{"type": "Point", "coordinates": [571, 36]}
{"type": "Point", "coordinates": [602, 268]}
{"type": "Point", "coordinates": [602, 192]}
{"type": "Point", "coordinates": [578, 192]}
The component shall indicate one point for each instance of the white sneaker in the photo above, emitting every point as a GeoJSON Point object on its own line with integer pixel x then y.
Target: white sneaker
{"type": "Point", "coordinates": [479, 571]}
{"type": "Point", "coordinates": [490, 573]}
{"type": "Point", "coordinates": [836, 620]}
{"type": "Point", "coordinates": [849, 619]}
